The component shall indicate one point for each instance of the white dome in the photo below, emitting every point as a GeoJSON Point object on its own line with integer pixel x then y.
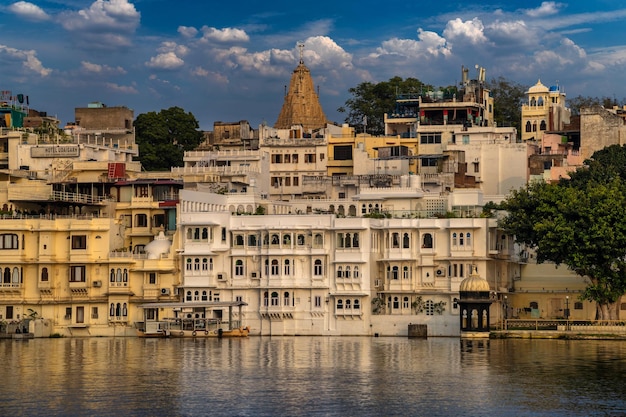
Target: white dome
{"type": "Point", "coordinates": [159, 246]}
{"type": "Point", "coordinates": [538, 88]}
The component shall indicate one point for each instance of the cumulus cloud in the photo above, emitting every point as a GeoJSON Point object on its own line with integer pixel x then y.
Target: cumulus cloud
{"type": "Point", "coordinates": [214, 76]}
{"type": "Point", "coordinates": [28, 11]}
{"type": "Point", "coordinates": [429, 44]}
{"type": "Point", "coordinates": [547, 8]}
{"type": "Point", "coordinates": [166, 61]}
{"type": "Point", "coordinates": [470, 30]}
{"type": "Point", "coordinates": [225, 35]}
{"type": "Point", "coordinates": [28, 58]}
{"type": "Point", "coordinates": [567, 54]}
{"type": "Point", "coordinates": [324, 51]}
{"type": "Point", "coordinates": [187, 31]}
{"type": "Point", "coordinates": [169, 46]}
{"type": "Point", "coordinates": [104, 23]}
{"type": "Point", "coordinates": [101, 69]}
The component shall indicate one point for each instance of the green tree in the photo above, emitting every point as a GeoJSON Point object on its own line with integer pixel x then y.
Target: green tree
{"type": "Point", "coordinates": [579, 222]}
{"type": "Point", "coordinates": [371, 101]}
{"type": "Point", "coordinates": [508, 97]}
{"type": "Point", "coordinates": [164, 136]}
{"type": "Point", "coordinates": [578, 102]}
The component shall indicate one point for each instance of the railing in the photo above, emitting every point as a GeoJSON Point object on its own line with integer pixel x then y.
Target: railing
{"type": "Point", "coordinates": [566, 324]}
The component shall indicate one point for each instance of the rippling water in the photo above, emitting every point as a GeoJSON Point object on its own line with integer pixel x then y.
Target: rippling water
{"type": "Point", "coordinates": [312, 376]}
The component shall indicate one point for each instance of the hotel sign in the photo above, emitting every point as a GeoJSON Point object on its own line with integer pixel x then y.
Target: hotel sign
{"type": "Point", "coordinates": [55, 151]}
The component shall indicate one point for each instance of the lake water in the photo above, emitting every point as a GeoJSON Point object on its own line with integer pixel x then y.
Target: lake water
{"type": "Point", "coordinates": [312, 376]}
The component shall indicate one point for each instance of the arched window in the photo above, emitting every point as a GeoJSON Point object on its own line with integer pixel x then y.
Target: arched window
{"type": "Point", "coordinates": [118, 310]}
{"type": "Point", "coordinates": [196, 264]}
{"type": "Point", "coordinates": [205, 264]}
{"type": "Point", "coordinates": [16, 275]}
{"type": "Point", "coordinates": [529, 127]}
{"type": "Point", "coordinates": [205, 233]}
{"type": "Point", "coordinates": [454, 241]}
{"type": "Point", "coordinates": [125, 275]}
{"type": "Point", "coordinates": [286, 299]}
{"type": "Point", "coordinates": [542, 126]}
{"type": "Point", "coordinates": [317, 268]}
{"type": "Point", "coordinates": [395, 240]}
{"type": "Point", "coordinates": [252, 240]}
{"type": "Point", "coordinates": [300, 240]}
{"type": "Point", "coordinates": [239, 240]}
{"type": "Point", "coordinates": [267, 267]}
{"type": "Point", "coordinates": [196, 295]}
{"type": "Point", "coordinates": [118, 276]}
{"type": "Point", "coordinates": [405, 272]}
{"type": "Point", "coordinates": [340, 272]}
{"type": "Point", "coordinates": [275, 239]}
{"type": "Point", "coordinates": [339, 304]}
{"type": "Point", "coordinates": [347, 304]}
{"type": "Point", "coordinates": [189, 233]}
{"type": "Point", "coordinates": [319, 240]}
{"type": "Point", "coordinates": [468, 239]}
{"type": "Point", "coordinates": [347, 242]}
{"type": "Point", "coordinates": [533, 101]}
{"type": "Point", "coordinates": [461, 239]}
{"type": "Point", "coordinates": [534, 126]}
{"type": "Point", "coordinates": [112, 310]}
{"type": "Point", "coordinates": [356, 306]}
{"type": "Point", "coordinates": [395, 272]}
{"type": "Point", "coordinates": [347, 274]}
{"type": "Point", "coordinates": [540, 101]}
{"type": "Point", "coordinates": [275, 267]}
{"type": "Point", "coordinates": [124, 310]}
{"type": "Point", "coordinates": [196, 233]}
{"type": "Point", "coordinates": [396, 303]}
{"type": "Point", "coordinates": [188, 265]}
{"type": "Point", "coordinates": [188, 296]}
{"type": "Point", "coordinates": [287, 240]}
{"type": "Point", "coordinates": [274, 298]}
{"type": "Point", "coordinates": [204, 296]}
{"type": "Point", "coordinates": [265, 299]}
{"type": "Point", "coordinates": [356, 272]}
{"type": "Point", "coordinates": [355, 240]}
{"type": "Point", "coordinates": [405, 302]}
{"type": "Point", "coordinates": [427, 241]}
{"type": "Point", "coordinates": [287, 266]}
{"type": "Point", "coordinates": [239, 267]}
{"type": "Point", "coordinates": [44, 274]}
{"type": "Point", "coordinates": [112, 276]}
{"type": "Point", "coordinates": [406, 241]}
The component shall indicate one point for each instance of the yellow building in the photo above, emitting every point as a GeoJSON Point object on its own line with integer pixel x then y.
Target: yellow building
{"type": "Point", "coordinates": [544, 111]}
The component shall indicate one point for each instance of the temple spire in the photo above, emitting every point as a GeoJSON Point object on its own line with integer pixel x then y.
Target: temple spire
{"type": "Point", "coordinates": [301, 105]}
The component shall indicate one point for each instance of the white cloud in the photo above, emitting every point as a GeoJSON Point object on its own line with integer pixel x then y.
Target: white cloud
{"type": "Point", "coordinates": [28, 58]}
{"type": "Point", "coordinates": [167, 61]}
{"type": "Point", "coordinates": [547, 8]}
{"type": "Point", "coordinates": [429, 44]}
{"type": "Point", "coordinates": [122, 88]}
{"type": "Point", "coordinates": [104, 23]}
{"type": "Point", "coordinates": [28, 11]}
{"type": "Point", "coordinates": [169, 46]}
{"type": "Point", "coordinates": [324, 51]}
{"type": "Point", "coordinates": [470, 30]}
{"type": "Point", "coordinates": [188, 31]}
{"type": "Point", "coordinates": [101, 69]}
{"type": "Point", "coordinates": [224, 35]}
{"type": "Point", "coordinates": [201, 72]}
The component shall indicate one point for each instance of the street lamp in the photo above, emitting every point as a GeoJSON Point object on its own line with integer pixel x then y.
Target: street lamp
{"type": "Point", "coordinates": [567, 307]}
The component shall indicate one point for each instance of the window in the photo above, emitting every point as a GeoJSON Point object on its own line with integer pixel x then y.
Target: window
{"type": "Point", "coordinates": [542, 126]}
{"type": "Point", "coordinates": [339, 304]}
{"type": "Point", "coordinates": [317, 301]}
{"type": "Point", "coordinates": [405, 302]}
{"type": "Point", "coordinates": [79, 242]}
{"type": "Point", "coordinates": [274, 298]}
{"type": "Point", "coordinates": [395, 240]}
{"type": "Point", "coordinates": [275, 268]}
{"type": "Point", "coordinates": [77, 273]}
{"type": "Point", "coordinates": [296, 181]}
{"type": "Point", "coordinates": [287, 267]}
{"type": "Point", "coordinates": [427, 241]}
{"type": "Point", "coordinates": [252, 240]}
{"type": "Point", "coordinates": [309, 158]}
{"type": "Point", "coordinates": [430, 138]}
{"type": "Point", "coordinates": [339, 272]}
{"type": "Point", "coordinates": [141, 220]}
{"type": "Point", "coordinates": [239, 240]}
{"type": "Point", "coordinates": [356, 306]}
{"type": "Point", "coordinates": [44, 274]}
{"type": "Point", "coordinates": [317, 267]}
{"type": "Point", "coordinates": [356, 272]}
{"type": "Point", "coordinates": [141, 191]}
{"type": "Point", "coordinates": [430, 162]}
{"type": "Point", "coordinates": [9, 241]}
{"type": "Point", "coordinates": [342, 152]}
{"type": "Point", "coordinates": [80, 314]}
{"type": "Point", "coordinates": [406, 241]}
{"type": "Point", "coordinates": [188, 265]}
{"type": "Point", "coordinates": [405, 272]}
{"type": "Point", "coordinates": [152, 278]}
{"type": "Point", "coordinates": [528, 127]}
{"type": "Point", "coordinates": [239, 268]}
{"type": "Point", "coordinates": [94, 312]}
{"type": "Point", "coordinates": [286, 299]}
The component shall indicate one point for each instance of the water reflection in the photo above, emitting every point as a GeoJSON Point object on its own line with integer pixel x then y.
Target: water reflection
{"type": "Point", "coordinates": [311, 376]}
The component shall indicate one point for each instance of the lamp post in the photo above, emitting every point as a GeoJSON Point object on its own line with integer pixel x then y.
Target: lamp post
{"type": "Point", "coordinates": [567, 307]}
{"type": "Point", "coordinates": [506, 307]}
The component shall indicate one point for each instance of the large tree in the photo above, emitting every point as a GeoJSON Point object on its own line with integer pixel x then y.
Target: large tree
{"type": "Point", "coordinates": [164, 136]}
{"type": "Point", "coordinates": [369, 102]}
{"type": "Point", "coordinates": [508, 97]}
{"type": "Point", "coordinates": [579, 222]}
{"type": "Point", "coordinates": [578, 102]}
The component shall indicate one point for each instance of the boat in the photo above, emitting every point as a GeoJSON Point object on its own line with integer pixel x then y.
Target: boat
{"type": "Point", "coordinates": [192, 319]}
{"type": "Point", "coordinates": [203, 327]}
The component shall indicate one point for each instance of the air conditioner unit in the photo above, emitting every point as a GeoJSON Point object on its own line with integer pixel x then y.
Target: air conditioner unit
{"type": "Point", "coordinates": [97, 284]}
{"type": "Point", "coordinates": [165, 291]}
{"type": "Point", "coordinates": [440, 272]}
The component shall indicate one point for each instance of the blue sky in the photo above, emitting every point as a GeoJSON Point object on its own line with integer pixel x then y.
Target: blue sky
{"type": "Point", "coordinates": [230, 61]}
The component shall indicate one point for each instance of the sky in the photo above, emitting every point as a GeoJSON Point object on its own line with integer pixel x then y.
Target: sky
{"type": "Point", "coordinates": [225, 61]}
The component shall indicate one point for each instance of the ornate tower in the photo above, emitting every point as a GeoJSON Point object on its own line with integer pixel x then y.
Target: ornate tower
{"type": "Point", "coordinates": [301, 106]}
